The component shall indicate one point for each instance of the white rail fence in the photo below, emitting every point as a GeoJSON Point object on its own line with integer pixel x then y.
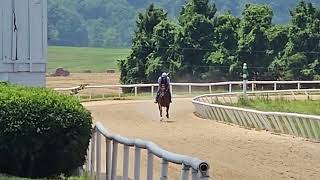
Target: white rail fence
{"type": "Point", "coordinates": [199, 169]}
{"type": "Point", "coordinates": [104, 91]}
{"type": "Point", "coordinates": [307, 126]}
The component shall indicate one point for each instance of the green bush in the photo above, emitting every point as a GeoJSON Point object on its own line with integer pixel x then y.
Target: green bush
{"type": "Point", "coordinates": [42, 133]}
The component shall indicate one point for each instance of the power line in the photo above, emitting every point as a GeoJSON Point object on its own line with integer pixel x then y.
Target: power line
{"type": "Point", "coordinates": [213, 49]}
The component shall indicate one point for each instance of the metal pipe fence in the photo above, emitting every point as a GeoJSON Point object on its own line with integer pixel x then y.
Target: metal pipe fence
{"type": "Point", "coordinates": [199, 169]}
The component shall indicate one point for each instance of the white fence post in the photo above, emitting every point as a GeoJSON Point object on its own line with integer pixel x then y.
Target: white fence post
{"type": "Point", "coordinates": [90, 95]}
{"type": "Point", "coordinates": [230, 88]}
{"type": "Point", "coordinates": [152, 91]}
{"type": "Point", "coordinates": [164, 170]}
{"type": "Point", "coordinates": [190, 89]}
{"type": "Point", "coordinates": [136, 91]}
{"type": "Point", "coordinates": [275, 86]}
{"type": "Point", "coordinates": [150, 166]}
{"type": "Point", "coordinates": [98, 155]}
{"type": "Point", "coordinates": [137, 158]}
{"type": "Point", "coordinates": [194, 174]}
{"type": "Point", "coordinates": [299, 86]}
{"type": "Point", "coordinates": [114, 160]}
{"type": "Point", "coordinates": [87, 164]}
{"type": "Point", "coordinates": [108, 158]}
{"type": "Point", "coordinates": [119, 91]}
{"type": "Point", "coordinates": [210, 89]}
{"type": "Point", "coordinates": [92, 157]}
{"type": "Point", "coordinates": [125, 162]}
{"type": "Point", "coordinates": [184, 172]}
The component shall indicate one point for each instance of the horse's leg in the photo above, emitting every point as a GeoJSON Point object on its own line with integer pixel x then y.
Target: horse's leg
{"type": "Point", "coordinates": [160, 110]}
{"type": "Point", "coordinates": [167, 109]}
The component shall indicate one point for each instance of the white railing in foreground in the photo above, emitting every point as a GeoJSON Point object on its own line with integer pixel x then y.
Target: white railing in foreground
{"type": "Point", "coordinates": [230, 86]}
{"type": "Point", "coordinates": [199, 169]}
{"type": "Point", "coordinates": [306, 126]}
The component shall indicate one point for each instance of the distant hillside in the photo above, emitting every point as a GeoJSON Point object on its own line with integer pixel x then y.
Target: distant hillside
{"type": "Point", "coordinates": [111, 23]}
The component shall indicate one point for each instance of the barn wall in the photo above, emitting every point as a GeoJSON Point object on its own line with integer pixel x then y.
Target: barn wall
{"type": "Point", "coordinates": [23, 41]}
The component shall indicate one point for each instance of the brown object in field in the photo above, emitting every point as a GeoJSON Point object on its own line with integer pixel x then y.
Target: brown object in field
{"type": "Point", "coordinates": [61, 72]}
{"type": "Point", "coordinates": [111, 71]}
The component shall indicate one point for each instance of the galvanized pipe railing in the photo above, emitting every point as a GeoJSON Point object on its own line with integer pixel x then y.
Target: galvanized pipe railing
{"type": "Point", "coordinates": [307, 126]}
{"type": "Point", "coordinates": [200, 169]}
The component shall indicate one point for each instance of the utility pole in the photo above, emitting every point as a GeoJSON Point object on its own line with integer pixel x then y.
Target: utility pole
{"type": "Point", "coordinates": [245, 76]}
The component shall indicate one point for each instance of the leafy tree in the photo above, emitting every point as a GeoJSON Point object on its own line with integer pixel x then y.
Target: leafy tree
{"type": "Point", "coordinates": [118, 17]}
{"type": "Point", "coordinates": [133, 69]}
{"type": "Point", "coordinates": [66, 26]}
{"type": "Point", "coordinates": [162, 59]}
{"type": "Point", "coordinates": [225, 45]}
{"type": "Point", "coordinates": [253, 41]}
{"type": "Point", "coordinates": [197, 7]}
{"type": "Point", "coordinates": [300, 59]}
{"type": "Point", "coordinates": [195, 38]}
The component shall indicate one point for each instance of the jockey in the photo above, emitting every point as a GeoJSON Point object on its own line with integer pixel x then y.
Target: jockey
{"type": "Point", "coordinates": [163, 79]}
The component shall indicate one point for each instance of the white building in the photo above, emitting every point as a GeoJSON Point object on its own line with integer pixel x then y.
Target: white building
{"type": "Point", "coordinates": [23, 41]}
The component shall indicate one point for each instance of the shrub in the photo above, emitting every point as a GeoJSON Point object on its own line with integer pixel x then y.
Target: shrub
{"type": "Point", "coordinates": [42, 133]}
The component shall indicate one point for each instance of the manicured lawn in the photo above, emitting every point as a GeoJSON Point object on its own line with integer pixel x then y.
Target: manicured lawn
{"type": "Point", "coordinates": [80, 59]}
{"type": "Point", "coordinates": [281, 105]}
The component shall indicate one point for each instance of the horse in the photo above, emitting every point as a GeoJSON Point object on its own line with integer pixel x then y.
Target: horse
{"type": "Point", "coordinates": [164, 101]}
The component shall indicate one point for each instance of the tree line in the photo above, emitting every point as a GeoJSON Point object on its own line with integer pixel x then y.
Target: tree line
{"type": "Point", "coordinates": [111, 23]}
{"type": "Point", "coordinates": [206, 46]}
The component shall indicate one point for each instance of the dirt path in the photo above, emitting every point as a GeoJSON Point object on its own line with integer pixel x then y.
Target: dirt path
{"type": "Point", "coordinates": [232, 152]}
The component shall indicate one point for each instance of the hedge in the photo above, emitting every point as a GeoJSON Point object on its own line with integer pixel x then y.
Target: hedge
{"type": "Point", "coordinates": [42, 133]}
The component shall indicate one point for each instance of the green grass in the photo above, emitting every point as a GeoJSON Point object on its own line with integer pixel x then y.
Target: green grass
{"type": "Point", "coordinates": [17, 178]}
{"type": "Point", "coordinates": [311, 107]}
{"type": "Point", "coordinates": [80, 59]}
{"type": "Point", "coordinates": [84, 177]}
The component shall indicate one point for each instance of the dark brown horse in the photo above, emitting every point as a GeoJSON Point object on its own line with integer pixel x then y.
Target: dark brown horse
{"type": "Point", "coordinates": [164, 100]}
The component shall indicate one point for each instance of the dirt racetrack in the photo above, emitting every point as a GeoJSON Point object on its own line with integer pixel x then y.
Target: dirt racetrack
{"type": "Point", "coordinates": [233, 153]}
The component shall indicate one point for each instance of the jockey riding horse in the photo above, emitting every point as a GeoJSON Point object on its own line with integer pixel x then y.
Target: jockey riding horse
{"type": "Point", "coordinates": [163, 80]}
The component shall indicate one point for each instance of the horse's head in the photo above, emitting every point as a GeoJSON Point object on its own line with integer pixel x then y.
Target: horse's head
{"type": "Point", "coordinates": [163, 87]}
{"type": "Point", "coordinates": [162, 90]}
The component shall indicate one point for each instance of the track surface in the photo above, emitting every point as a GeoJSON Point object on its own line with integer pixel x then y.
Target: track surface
{"type": "Point", "coordinates": [233, 153]}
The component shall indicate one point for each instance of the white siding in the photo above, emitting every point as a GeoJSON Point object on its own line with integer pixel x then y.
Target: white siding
{"type": "Point", "coordinates": [22, 16]}
{"type": "Point", "coordinates": [1, 24]}
{"type": "Point", "coordinates": [6, 27]}
{"type": "Point", "coordinates": [36, 30]}
{"type": "Point", "coordinates": [30, 41]}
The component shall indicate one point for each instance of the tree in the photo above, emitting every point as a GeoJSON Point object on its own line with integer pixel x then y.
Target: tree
{"type": "Point", "coordinates": [133, 69]}
{"type": "Point", "coordinates": [225, 45]}
{"type": "Point", "coordinates": [119, 16]}
{"type": "Point", "coordinates": [195, 38]}
{"type": "Point", "coordinates": [66, 26]}
{"type": "Point", "coordinates": [162, 59]}
{"type": "Point", "coordinates": [197, 7]}
{"type": "Point", "coordinates": [96, 33]}
{"type": "Point", "coordinates": [300, 59]}
{"type": "Point", "coordinates": [253, 41]}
